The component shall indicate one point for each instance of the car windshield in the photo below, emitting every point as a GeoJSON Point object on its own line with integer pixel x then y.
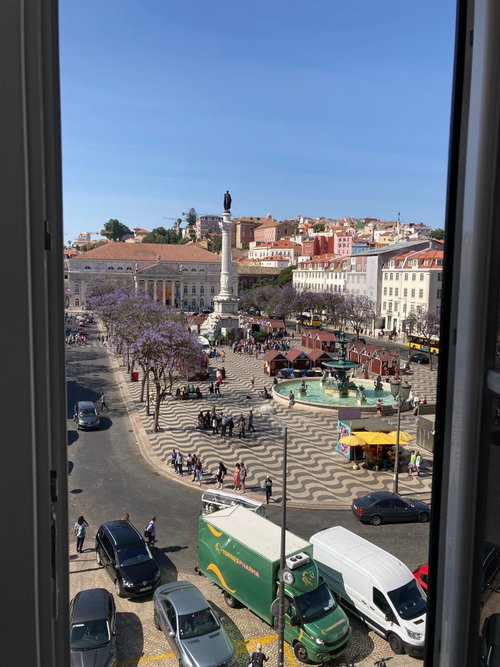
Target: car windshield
{"type": "Point", "coordinates": [409, 600]}
{"type": "Point", "coordinates": [134, 555]}
{"type": "Point", "coordinates": [316, 604]}
{"type": "Point", "coordinates": [197, 624]}
{"type": "Point", "coordinates": [89, 635]}
{"type": "Point", "coordinates": [87, 412]}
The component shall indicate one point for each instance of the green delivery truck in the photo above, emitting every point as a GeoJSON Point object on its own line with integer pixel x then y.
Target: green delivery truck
{"type": "Point", "coordinates": [240, 551]}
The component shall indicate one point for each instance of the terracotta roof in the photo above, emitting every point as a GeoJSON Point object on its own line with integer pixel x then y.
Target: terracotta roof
{"type": "Point", "coordinates": [272, 354]}
{"type": "Point", "coordinates": [295, 353]}
{"type": "Point", "coordinates": [325, 335]}
{"type": "Point", "coordinates": [316, 354]}
{"type": "Point", "coordinates": [143, 251]}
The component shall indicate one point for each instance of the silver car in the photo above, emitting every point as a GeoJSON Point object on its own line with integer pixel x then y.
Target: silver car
{"type": "Point", "coordinates": [191, 626]}
{"type": "Point", "coordinates": [85, 415]}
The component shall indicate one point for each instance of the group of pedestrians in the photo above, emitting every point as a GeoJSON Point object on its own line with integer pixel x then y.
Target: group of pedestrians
{"type": "Point", "coordinates": [414, 463]}
{"type": "Point", "coordinates": [224, 425]}
{"type": "Point", "coordinates": [81, 525]}
{"type": "Point", "coordinates": [192, 462]}
{"type": "Point", "coordinates": [239, 477]}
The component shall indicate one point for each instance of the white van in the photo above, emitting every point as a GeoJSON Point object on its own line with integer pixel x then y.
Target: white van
{"type": "Point", "coordinates": [374, 585]}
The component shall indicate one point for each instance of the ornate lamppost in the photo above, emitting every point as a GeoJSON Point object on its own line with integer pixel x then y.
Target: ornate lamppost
{"type": "Point", "coordinates": [401, 392]}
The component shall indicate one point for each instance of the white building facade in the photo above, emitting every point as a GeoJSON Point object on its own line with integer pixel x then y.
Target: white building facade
{"type": "Point", "coordinates": [179, 276]}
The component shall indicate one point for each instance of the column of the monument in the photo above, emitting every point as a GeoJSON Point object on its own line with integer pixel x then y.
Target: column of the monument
{"type": "Point", "coordinates": [172, 298]}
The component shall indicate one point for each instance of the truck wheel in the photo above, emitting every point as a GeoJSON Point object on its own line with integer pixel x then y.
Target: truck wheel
{"type": "Point", "coordinates": [230, 601]}
{"type": "Point", "coordinates": [395, 643]}
{"type": "Point", "coordinates": [300, 652]}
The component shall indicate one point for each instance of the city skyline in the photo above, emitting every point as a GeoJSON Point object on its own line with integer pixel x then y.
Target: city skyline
{"type": "Point", "coordinates": [324, 110]}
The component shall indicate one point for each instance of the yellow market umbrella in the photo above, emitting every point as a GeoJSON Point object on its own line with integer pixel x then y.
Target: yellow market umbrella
{"type": "Point", "coordinates": [404, 437]}
{"type": "Point", "coordinates": [352, 440]}
{"type": "Point", "coordinates": [374, 437]}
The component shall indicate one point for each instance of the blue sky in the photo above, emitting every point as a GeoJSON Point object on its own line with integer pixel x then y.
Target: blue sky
{"type": "Point", "coordinates": [310, 107]}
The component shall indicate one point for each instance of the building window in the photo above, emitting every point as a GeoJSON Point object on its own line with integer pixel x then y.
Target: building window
{"type": "Point", "coordinates": [119, 268]}
{"type": "Point", "coordinates": [406, 276]}
{"type": "Point", "coordinates": [77, 302]}
{"type": "Point", "coordinates": [413, 294]}
{"type": "Point", "coordinates": [413, 276]}
{"type": "Point", "coordinates": [77, 288]}
{"type": "Point", "coordinates": [89, 267]}
{"type": "Point", "coordinates": [405, 292]}
{"type": "Point", "coordinates": [202, 303]}
{"type": "Point", "coordinates": [185, 289]}
{"type": "Point", "coordinates": [396, 291]}
{"type": "Point", "coordinates": [212, 290]}
{"type": "Point", "coordinates": [390, 291]}
{"type": "Point", "coordinates": [420, 293]}
{"type": "Point", "coordinates": [185, 303]}
{"type": "Point", "coordinates": [439, 277]}
{"type": "Point", "coordinates": [193, 289]}
{"type": "Point", "coordinates": [193, 303]}
{"type": "Point", "coordinates": [421, 276]}
{"type": "Point", "coordinates": [385, 291]}
{"type": "Point", "coordinates": [391, 276]}
{"type": "Point", "coordinates": [384, 305]}
{"type": "Point", "coordinates": [111, 268]}
{"type": "Point", "coordinates": [202, 290]}
{"type": "Point", "coordinates": [438, 294]}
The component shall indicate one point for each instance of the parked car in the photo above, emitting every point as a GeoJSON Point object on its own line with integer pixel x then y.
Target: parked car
{"type": "Point", "coordinates": [386, 507]}
{"type": "Point", "coordinates": [421, 574]}
{"type": "Point", "coordinates": [85, 415]}
{"type": "Point", "coordinates": [490, 642]}
{"type": "Point", "coordinates": [123, 552]}
{"type": "Point", "coordinates": [419, 358]}
{"type": "Point", "coordinates": [92, 639]}
{"type": "Point", "coordinates": [490, 567]}
{"type": "Point", "coordinates": [192, 628]}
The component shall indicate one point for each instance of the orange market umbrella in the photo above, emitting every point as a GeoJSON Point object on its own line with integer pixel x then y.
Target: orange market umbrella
{"type": "Point", "coordinates": [404, 437]}
{"type": "Point", "coordinates": [375, 437]}
{"type": "Point", "coordinates": [352, 440]}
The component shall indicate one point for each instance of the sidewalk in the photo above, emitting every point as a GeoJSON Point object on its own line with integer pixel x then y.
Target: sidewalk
{"type": "Point", "coordinates": [316, 472]}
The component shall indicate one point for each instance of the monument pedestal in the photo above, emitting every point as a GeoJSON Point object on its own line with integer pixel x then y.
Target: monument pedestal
{"type": "Point", "coordinates": [225, 315]}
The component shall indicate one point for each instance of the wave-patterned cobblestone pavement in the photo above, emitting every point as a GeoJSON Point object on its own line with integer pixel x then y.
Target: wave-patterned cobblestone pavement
{"type": "Point", "coordinates": [316, 472]}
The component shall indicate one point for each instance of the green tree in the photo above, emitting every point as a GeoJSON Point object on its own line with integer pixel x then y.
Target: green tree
{"type": "Point", "coordinates": [217, 244]}
{"type": "Point", "coordinates": [437, 234]}
{"type": "Point", "coordinates": [191, 216]}
{"type": "Point", "coordinates": [162, 235]}
{"type": "Point", "coordinates": [426, 324]}
{"type": "Point", "coordinates": [115, 230]}
{"type": "Point", "coordinates": [285, 276]}
{"type": "Point", "coordinates": [318, 227]}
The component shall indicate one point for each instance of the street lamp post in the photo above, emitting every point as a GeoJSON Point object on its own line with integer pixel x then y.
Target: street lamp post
{"type": "Point", "coordinates": [401, 392]}
{"type": "Point", "coordinates": [281, 597]}
{"type": "Point", "coordinates": [147, 392]}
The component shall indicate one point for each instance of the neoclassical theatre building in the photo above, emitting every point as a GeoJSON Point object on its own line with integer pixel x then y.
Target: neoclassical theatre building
{"type": "Point", "coordinates": [180, 276]}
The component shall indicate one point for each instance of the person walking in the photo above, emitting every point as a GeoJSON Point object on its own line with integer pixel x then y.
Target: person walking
{"type": "Point", "coordinates": [126, 517]}
{"type": "Point", "coordinates": [223, 426]}
{"type": "Point", "coordinates": [179, 463]}
{"type": "Point", "coordinates": [230, 426]}
{"type": "Point", "coordinates": [418, 463]}
{"type": "Point", "coordinates": [258, 658]}
{"type": "Point", "coordinates": [250, 422]}
{"type": "Point", "coordinates": [80, 528]}
{"type": "Point", "coordinates": [268, 486]}
{"type": "Point", "coordinates": [217, 386]}
{"type": "Point", "coordinates": [252, 381]}
{"type": "Point", "coordinates": [413, 460]}
{"type": "Point", "coordinates": [198, 471]}
{"type": "Point", "coordinates": [103, 402]}
{"type": "Point", "coordinates": [150, 532]}
{"type": "Point", "coordinates": [214, 424]}
{"type": "Point", "coordinates": [236, 477]}
{"type": "Point", "coordinates": [243, 476]}
{"type": "Point", "coordinates": [221, 473]}
{"type": "Point", "coordinates": [241, 426]}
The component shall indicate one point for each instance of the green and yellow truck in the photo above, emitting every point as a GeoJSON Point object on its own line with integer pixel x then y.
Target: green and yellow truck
{"type": "Point", "coordinates": [240, 551]}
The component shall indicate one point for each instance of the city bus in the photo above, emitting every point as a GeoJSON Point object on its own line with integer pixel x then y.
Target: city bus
{"type": "Point", "coordinates": [421, 343]}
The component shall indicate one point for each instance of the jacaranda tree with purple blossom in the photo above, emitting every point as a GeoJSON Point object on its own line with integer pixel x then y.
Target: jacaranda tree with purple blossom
{"type": "Point", "coordinates": [162, 350]}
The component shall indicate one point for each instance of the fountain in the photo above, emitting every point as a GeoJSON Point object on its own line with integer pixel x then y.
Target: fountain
{"type": "Point", "coordinates": [335, 388]}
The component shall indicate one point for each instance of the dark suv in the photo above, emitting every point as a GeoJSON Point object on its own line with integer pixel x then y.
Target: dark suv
{"type": "Point", "coordinates": [121, 549]}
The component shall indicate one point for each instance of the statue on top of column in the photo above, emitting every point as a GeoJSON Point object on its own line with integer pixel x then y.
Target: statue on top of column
{"type": "Point", "coordinates": [227, 202]}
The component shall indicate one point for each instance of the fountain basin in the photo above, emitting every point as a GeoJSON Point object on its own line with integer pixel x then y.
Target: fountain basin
{"type": "Point", "coordinates": [325, 396]}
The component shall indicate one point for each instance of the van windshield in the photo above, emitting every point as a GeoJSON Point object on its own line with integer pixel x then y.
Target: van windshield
{"type": "Point", "coordinates": [409, 601]}
{"type": "Point", "coordinates": [316, 604]}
